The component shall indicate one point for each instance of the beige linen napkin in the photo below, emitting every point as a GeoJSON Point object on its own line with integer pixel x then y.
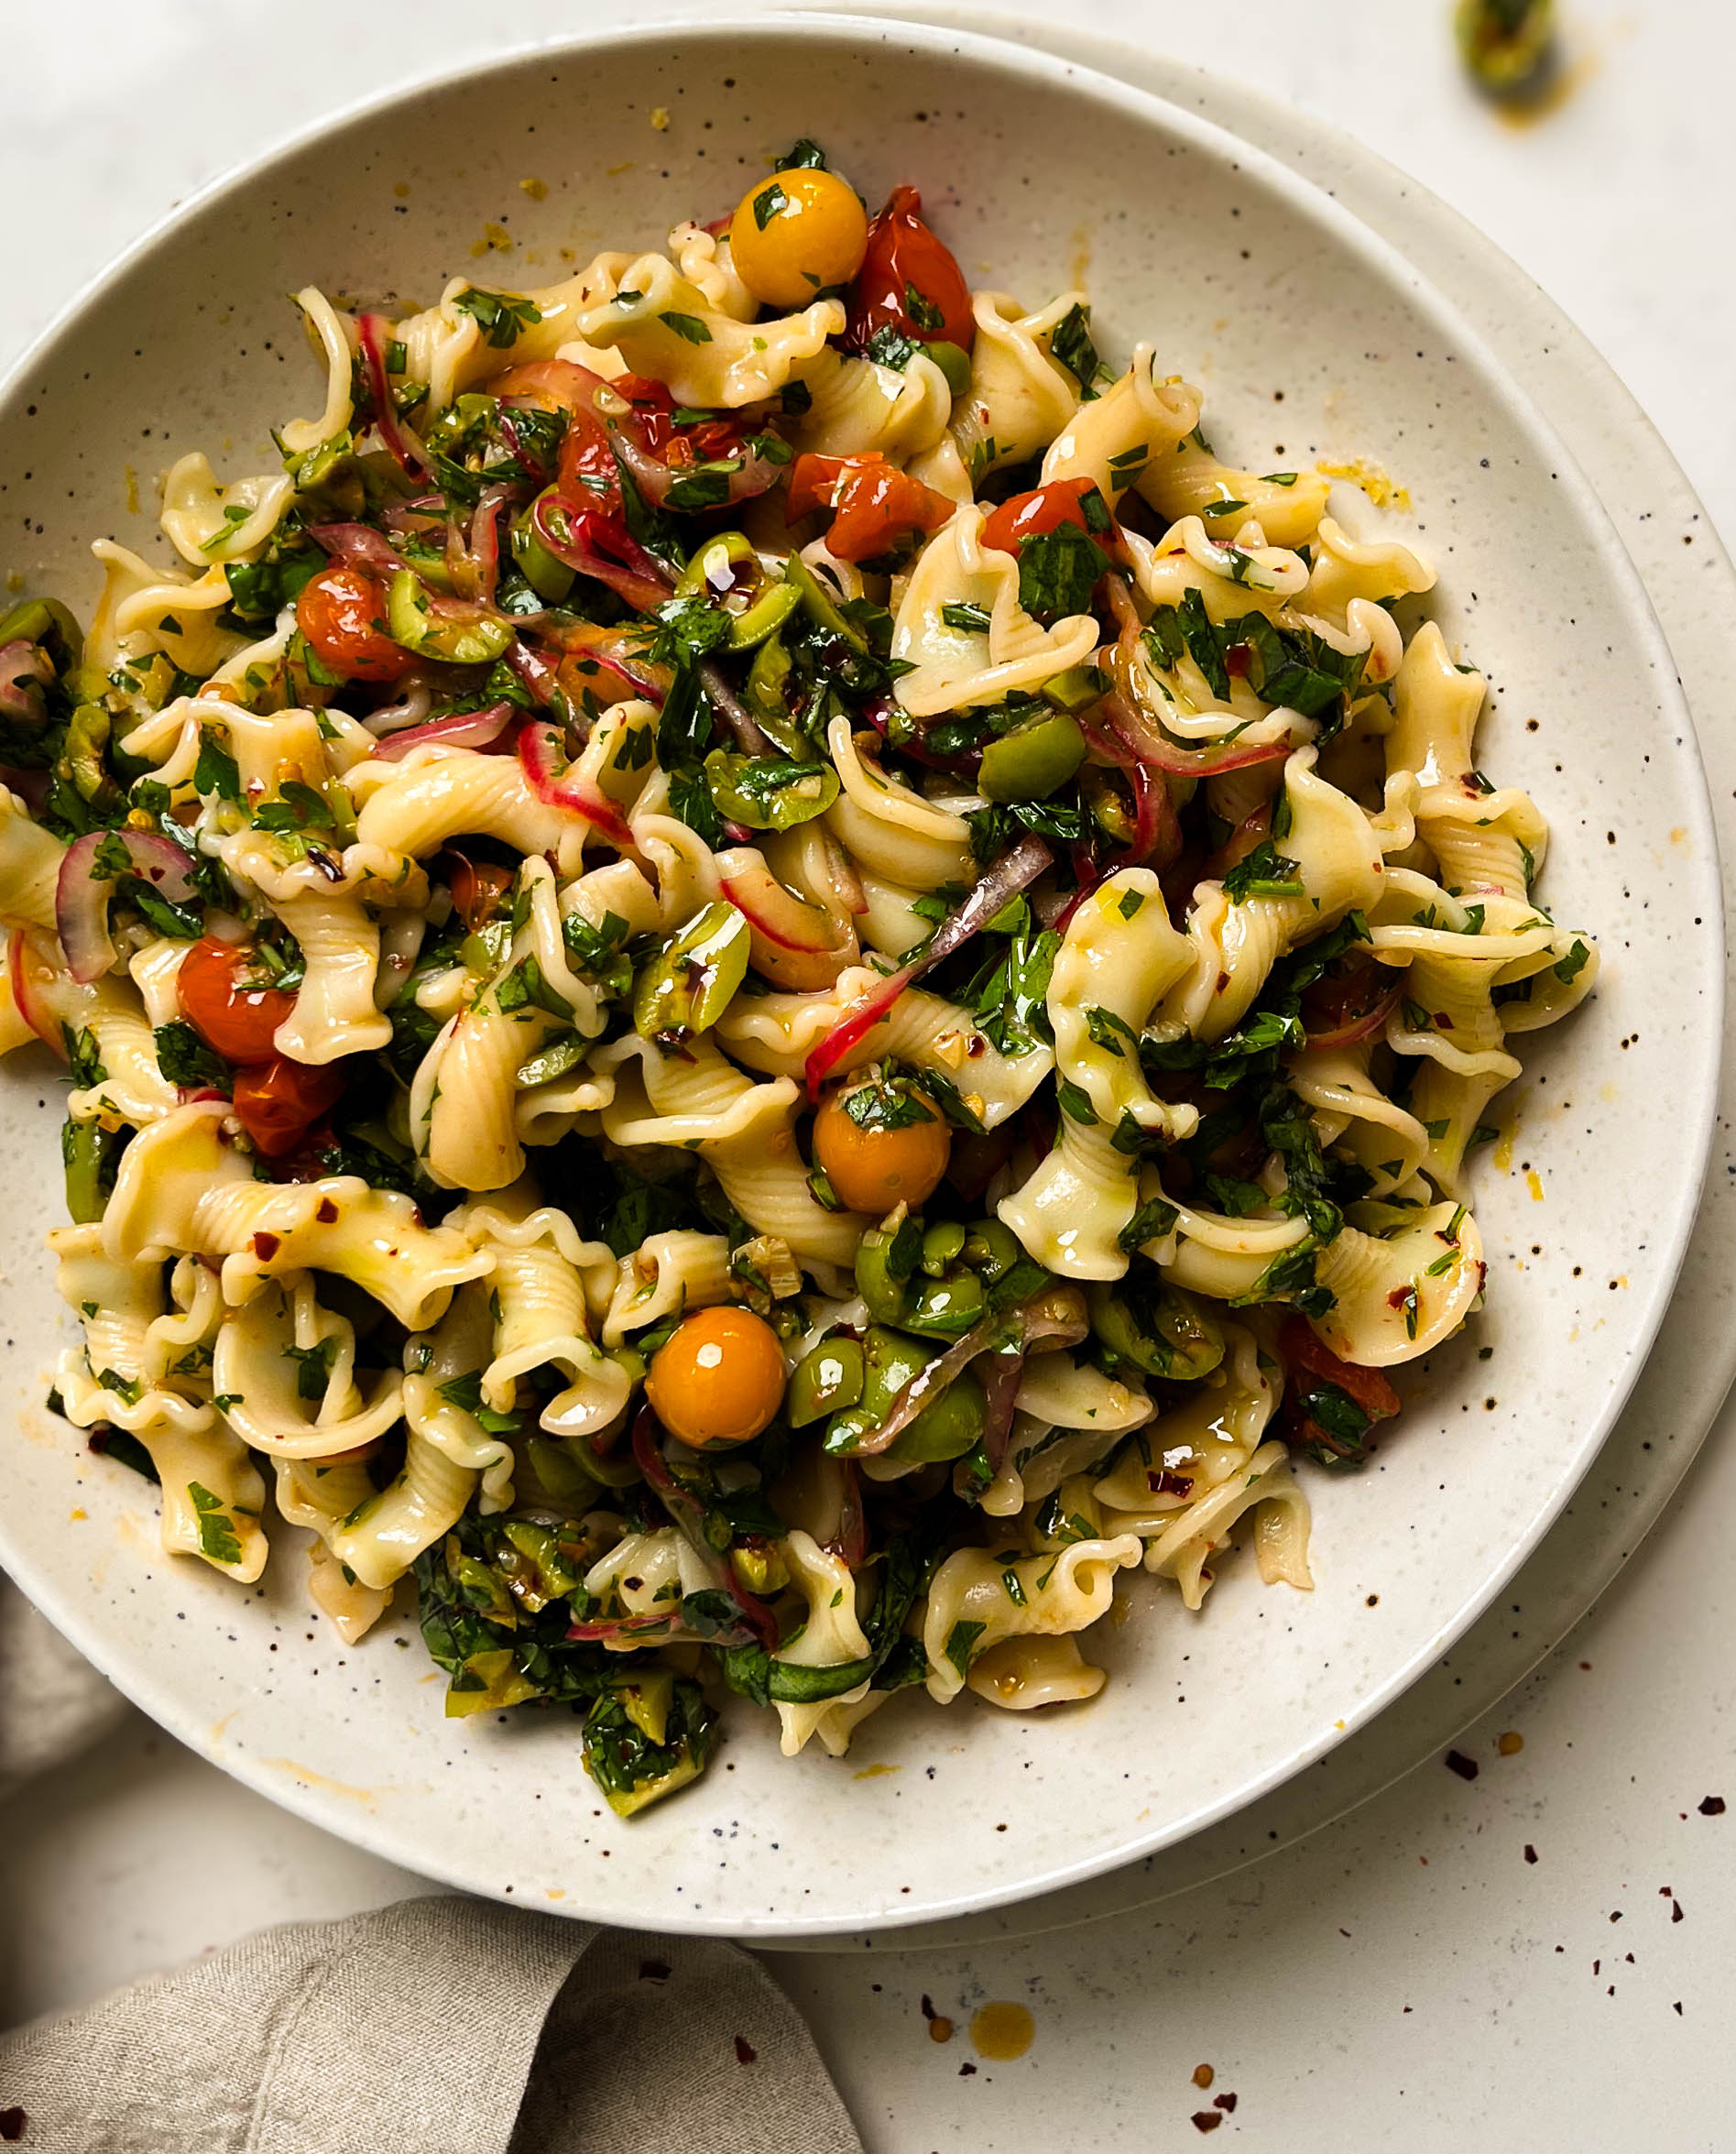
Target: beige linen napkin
{"type": "Point", "coordinates": [439, 2026]}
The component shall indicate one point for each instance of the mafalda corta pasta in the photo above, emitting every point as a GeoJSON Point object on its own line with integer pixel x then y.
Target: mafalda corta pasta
{"type": "Point", "coordinates": [760, 977]}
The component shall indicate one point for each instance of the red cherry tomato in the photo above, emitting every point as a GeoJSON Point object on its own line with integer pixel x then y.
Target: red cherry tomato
{"type": "Point", "coordinates": [1305, 1355]}
{"type": "Point", "coordinates": [342, 615]}
{"type": "Point", "coordinates": [877, 505]}
{"type": "Point", "coordinates": [1046, 509]}
{"type": "Point", "coordinates": [277, 1101]}
{"type": "Point", "coordinates": [908, 281]}
{"type": "Point", "coordinates": [221, 999]}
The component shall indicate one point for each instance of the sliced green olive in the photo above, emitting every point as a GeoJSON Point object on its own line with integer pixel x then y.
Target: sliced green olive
{"type": "Point", "coordinates": [559, 1468]}
{"type": "Point", "coordinates": [1076, 689]}
{"type": "Point", "coordinates": [713, 561]}
{"type": "Point", "coordinates": [411, 622]}
{"type": "Point", "coordinates": [992, 1250]}
{"type": "Point", "coordinates": [883, 1266]}
{"type": "Point", "coordinates": [759, 1566]}
{"type": "Point", "coordinates": [688, 985]}
{"type": "Point", "coordinates": [1034, 762]}
{"type": "Point", "coordinates": [555, 1060]}
{"type": "Point", "coordinates": [826, 1382]}
{"type": "Point", "coordinates": [48, 622]}
{"type": "Point", "coordinates": [953, 363]}
{"type": "Point", "coordinates": [768, 792]}
{"type": "Point", "coordinates": [947, 1307]}
{"type": "Point", "coordinates": [945, 1428]}
{"type": "Point", "coordinates": [1166, 1333]}
{"type": "Point", "coordinates": [942, 1243]}
{"type": "Point", "coordinates": [1107, 804]}
{"type": "Point", "coordinates": [551, 579]}
{"type": "Point", "coordinates": [87, 734]}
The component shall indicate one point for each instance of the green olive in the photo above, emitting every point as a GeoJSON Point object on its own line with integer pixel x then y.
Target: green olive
{"type": "Point", "coordinates": [87, 735]}
{"type": "Point", "coordinates": [945, 1428]}
{"type": "Point", "coordinates": [820, 606]}
{"type": "Point", "coordinates": [953, 363]}
{"type": "Point", "coordinates": [48, 622]}
{"type": "Point", "coordinates": [551, 579]}
{"type": "Point", "coordinates": [1076, 689]}
{"type": "Point", "coordinates": [688, 985]}
{"type": "Point", "coordinates": [716, 559]}
{"type": "Point", "coordinates": [1163, 1333]}
{"type": "Point", "coordinates": [768, 792]}
{"type": "Point", "coordinates": [411, 622]}
{"type": "Point", "coordinates": [827, 1381]}
{"type": "Point", "coordinates": [883, 1265]}
{"type": "Point", "coordinates": [942, 1243]}
{"type": "Point", "coordinates": [992, 1250]}
{"type": "Point", "coordinates": [1035, 760]}
{"type": "Point", "coordinates": [947, 1306]}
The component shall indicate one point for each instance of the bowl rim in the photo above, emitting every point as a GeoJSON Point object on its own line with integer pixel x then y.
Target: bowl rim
{"type": "Point", "coordinates": [983, 50]}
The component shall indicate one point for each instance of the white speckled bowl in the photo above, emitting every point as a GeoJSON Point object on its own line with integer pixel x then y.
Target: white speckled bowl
{"type": "Point", "coordinates": [1257, 285]}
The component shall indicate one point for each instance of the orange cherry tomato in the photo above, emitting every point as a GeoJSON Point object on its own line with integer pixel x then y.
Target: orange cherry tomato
{"type": "Point", "coordinates": [908, 281]}
{"type": "Point", "coordinates": [342, 615]}
{"type": "Point", "coordinates": [796, 235]}
{"type": "Point", "coordinates": [871, 1169]}
{"type": "Point", "coordinates": [1044, 509]}
{"type": "Point", "coordinates": [221, 999]}
{"type": "Point", "coordinates": [719, 1378]}
{"type": "Point", "coordinates": [277, 1101]}
{"type": "Point", "coordinates": [877, 505]}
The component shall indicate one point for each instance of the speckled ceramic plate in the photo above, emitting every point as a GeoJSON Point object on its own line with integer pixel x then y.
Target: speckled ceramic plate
{"type": "Point", "coordinates": [1311, 338]}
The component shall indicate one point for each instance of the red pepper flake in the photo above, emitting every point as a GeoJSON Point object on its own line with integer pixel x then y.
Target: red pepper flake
{"type": "Point", "coordinates": [744, 2050]}
{"type": "Point", "coordinates": [12, 2121]}
{"type": "Point", "coordinates": [1207, 2120]}
{"type": "Point", "coordinates": [1165, 1483]}
{"type": "Point", "coordinates": [1223, 2101]}
{"type": "Point", "coordinates": [653, 1970]}
{"type": "Point", "coordinates": [966, 2070]}
{"type": "Point", "coordinates": [1617, 1915]}
{"type": "Point", "coordinates": [1677, 2009]}
{"type": "Point", "coordinates": [327, 1211]}
{"type": "Point", "coordinates": [265, 1247]}
{"type": "Point", "coordinates": [1531, 1852]}
{"type": "Point", "coordinates": [1466, 1767]}
{"type": "Point", "coordinates": [1714, 1807]}
{"type": "Point", "coordinates": [1203, 2076]}
{"type": "Point", "coordinates": [1675, 1911]}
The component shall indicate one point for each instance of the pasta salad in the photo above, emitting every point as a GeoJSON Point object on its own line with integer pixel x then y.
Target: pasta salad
{"type": "Point", "coordinates": [759, 977]}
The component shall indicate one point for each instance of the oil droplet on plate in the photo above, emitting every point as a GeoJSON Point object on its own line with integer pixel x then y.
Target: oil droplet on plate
{"type": "Point", "coordinates": [1001, 2031]}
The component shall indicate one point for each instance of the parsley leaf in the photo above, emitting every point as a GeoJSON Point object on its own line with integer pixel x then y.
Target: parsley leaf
{"type": "Point", "coordinates": [499, 315]}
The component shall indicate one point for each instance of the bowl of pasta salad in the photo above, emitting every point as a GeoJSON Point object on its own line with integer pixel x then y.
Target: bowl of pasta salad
{"type": "Point", "coordinates": [843, 928]}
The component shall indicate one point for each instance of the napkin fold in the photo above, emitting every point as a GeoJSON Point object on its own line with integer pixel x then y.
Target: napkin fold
{"type": "Point", "coordinates": [441, 2025]}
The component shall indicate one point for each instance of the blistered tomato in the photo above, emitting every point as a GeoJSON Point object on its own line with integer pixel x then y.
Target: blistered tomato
{"type": "Point", "coordinates": [719, 1378]}
{"type": "Point", "coordinates": [872, 1168]}
{"type": "Point", "coordinates": [342, 615]}
{"type": "Point", "coordinates": [224, 1000]}
{"type": "Point", "coordinates": [877, 506]}
{"type": "Point", "coordinates": [1046, 509]}
{"type": "Point", "coordinates": [908, 281]}
{"type": "Point", "coordinates": [797, 234]}
{"type": "Point", "coordinates": [277, 1102]}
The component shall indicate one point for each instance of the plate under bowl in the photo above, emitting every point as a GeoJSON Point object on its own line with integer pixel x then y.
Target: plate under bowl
{"type": "Point", "coordinates": [1310, 338]}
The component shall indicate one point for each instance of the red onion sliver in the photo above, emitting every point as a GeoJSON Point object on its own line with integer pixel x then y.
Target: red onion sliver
{"type": "Point", "coordinates": [997, 1334]}
{"type": "Point", "coordinates": [41, 1020]}
{"type": "Point", "coordinates": [462, 729]}
{"type": "Point", "coordinates": [735, 713]}
{"type": "Point", "coordinates": [551, 780]}
{"type": "Point", "coordinates": [601, 546]}
{"type": "Point", "coordinates": [1002, 881]}
{"type": "Point", "coordinates": [1360, 1028]}
{"type": "Point", "coordinates": [689, 1514]}
{"type": "Point", "coordinates": [407, 452]}
{"type": "Point", "coordinates": [81, 895]}
{"type": "Point", "coordinates": [25, 671]}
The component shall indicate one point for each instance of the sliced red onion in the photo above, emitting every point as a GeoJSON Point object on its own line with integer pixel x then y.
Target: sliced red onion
{"type": "Point", "coordinates": [26, 668]}
{"type": "Point", "coordinates": [462, 729]}
{"type": "Point", "coordinates": [755, 474]}
{"type": "Point", "coordinates": [359, 545]}
{"type": "Point", "coordinates": [485, 538]}
{"type": "Point", "coordinates": [601, 546]}
{"type": "Point", "coordinates": [31, 786]}
{"type": "Point", "coordinates": [536, 672]}
{"type": "Point", "coordinates": [773, 910]}
{"type": "Point", "coordinates": [1358, 1028]}
{"type": "Point", "coordinates": [851, 1547]}
{"type": "Point", "coordinates": [878, 715]}
{"type": "Point", "coordinates": [1000, 1376]}
{"type": "Point", "coordinates": [1003, 881]}
{"type": "Point", "coordinates": [540, 470]}
{"type": "Point", "coordinates": [81, 895]}
{"type": "Point", "coordinates": [617, 649]}
{"type": "Point", "coordinates": [423, 518]}
{"type": "Point", "coordinates": [407, 452]}
{"type": "Point", "coordinates": [998, 1335]}
{"type": "Point", "coordinates": [749, 735]}
{"type": "Point", "coordinates": [689, 1514]}
{"type": "Point", "coordinates": [34, 1011]}
{"type": "Point", "coordinates": [551, 780]}
{"type": "Point", "coordinates": [1146, 743]}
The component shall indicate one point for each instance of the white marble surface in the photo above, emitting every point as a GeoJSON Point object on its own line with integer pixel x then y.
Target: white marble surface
{"type": "Point", "coordinates": [1408, 1970]}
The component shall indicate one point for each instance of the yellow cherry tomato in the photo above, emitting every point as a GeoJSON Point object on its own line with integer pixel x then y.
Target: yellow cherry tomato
{"type": "Point", "coordinates": [718, 1380]}
{"type": "Point", "coordinates": [796, 235]}
{"type": "Point", "coordinates": [872, 1169]}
